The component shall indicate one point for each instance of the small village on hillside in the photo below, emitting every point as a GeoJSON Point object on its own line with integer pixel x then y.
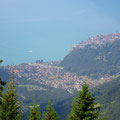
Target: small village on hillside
{"type": "Point", "coordinates": [97, 41]}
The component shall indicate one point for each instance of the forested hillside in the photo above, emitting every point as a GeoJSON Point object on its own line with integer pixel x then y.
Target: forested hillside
{"type": "Point", "coordinates": [94, 59]}
{"type": "Point", "coordinates": [108, 95]}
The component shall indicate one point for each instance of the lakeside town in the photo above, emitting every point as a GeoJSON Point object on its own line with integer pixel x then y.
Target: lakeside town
{"type": "Point", "coordinates": [47, 74]}
{"type": "Point", "coordinates": [51, 74]}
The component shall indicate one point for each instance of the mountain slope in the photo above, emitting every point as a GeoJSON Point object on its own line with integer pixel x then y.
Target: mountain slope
{"type": "Point", "coordinates": [108, 95]}
{"type": "Point", "coordinates": [94, 59]}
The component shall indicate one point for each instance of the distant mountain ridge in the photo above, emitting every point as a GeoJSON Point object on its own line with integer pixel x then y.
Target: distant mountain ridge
{"type": "Point", "coordinates": [99, 55]}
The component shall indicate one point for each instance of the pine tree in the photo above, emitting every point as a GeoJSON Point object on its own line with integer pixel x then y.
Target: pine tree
{"type": "Point", "coordinates": [50, 113]}
{"type": "Point", "coordinates": [84, 107]}
{"type": "Point", "coordinates": [2, 84]}
{"type": "Point", "coordinates": [11, 107]}
{"type": "Point", "coordinates": [34, 112]}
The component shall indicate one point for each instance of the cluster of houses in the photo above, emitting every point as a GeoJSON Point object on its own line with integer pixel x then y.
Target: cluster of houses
{"type": "Point", "coordinates": [97, 41]}
{"type": "Point", "coordinates": [53, 76]}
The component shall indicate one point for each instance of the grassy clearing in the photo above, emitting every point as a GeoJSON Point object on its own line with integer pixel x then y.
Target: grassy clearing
{"type": "Point", "coordinates": [30, 87]}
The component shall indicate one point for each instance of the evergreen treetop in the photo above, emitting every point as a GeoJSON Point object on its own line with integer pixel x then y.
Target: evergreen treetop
{"type": "Point", "coordinates": [84, 107]}
{"type": "Point", "coordinates": [50, 113]}
{"type": "Point", "coordinates": [34, 113]}
{"type": "Point", "coordinates": [11, 107]}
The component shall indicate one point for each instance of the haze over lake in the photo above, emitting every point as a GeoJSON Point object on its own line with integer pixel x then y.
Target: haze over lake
{"type": "Point", "coordinates": [31, 30]}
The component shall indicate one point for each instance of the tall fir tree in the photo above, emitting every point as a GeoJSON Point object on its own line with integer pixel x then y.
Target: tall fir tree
{"type": "Point", "coordinates": [84, 107]}
{"type": "Point", "coordinates": [34, 113]}
{"type": "Point", "coordinates": [2, 84]}
{"type": "Point", "coordinates": [50, 113]}
{"type": "Point", "coordinates": [11, 107]}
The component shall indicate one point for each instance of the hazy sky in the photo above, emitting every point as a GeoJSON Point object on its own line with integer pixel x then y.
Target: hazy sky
{"type": "Point", "coordinates": [46, 29]}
